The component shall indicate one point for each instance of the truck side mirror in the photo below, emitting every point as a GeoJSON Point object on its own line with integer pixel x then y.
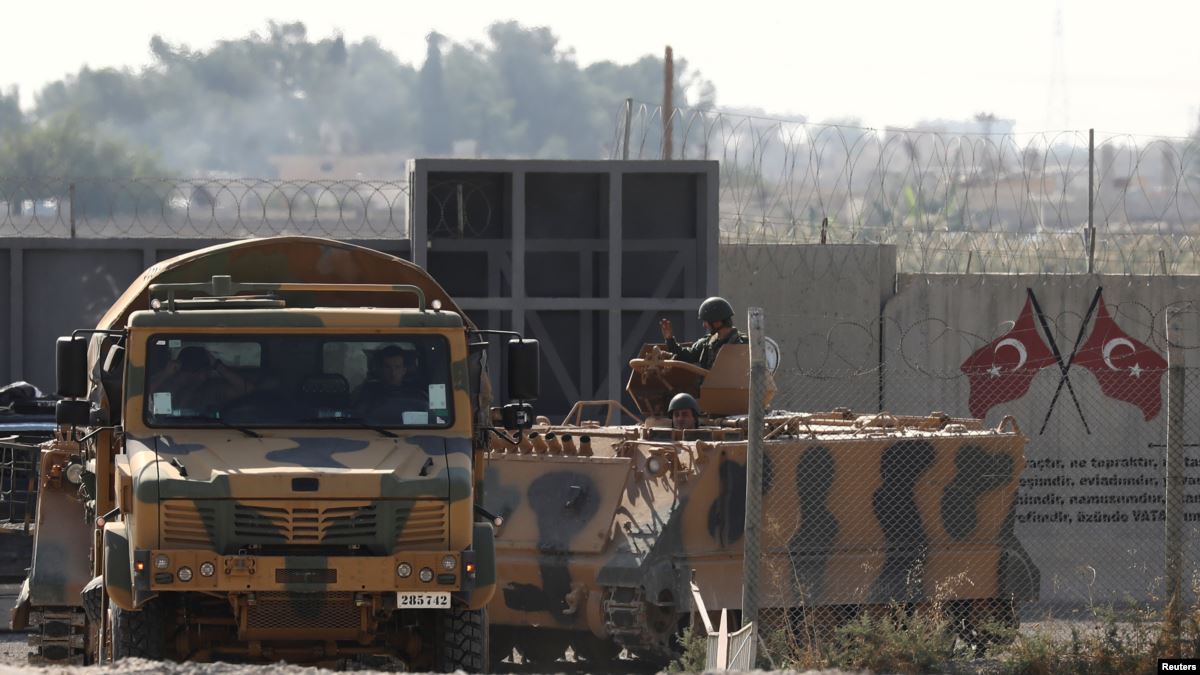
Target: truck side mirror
{"type": "Point", "coordinates": [517, 416]}
{"type": "Point", "coordinates": [523, 375]}
{"type": "Point", "coordinates": [72, 366]}
{"type": "Point", "coordinates": [74, 413]}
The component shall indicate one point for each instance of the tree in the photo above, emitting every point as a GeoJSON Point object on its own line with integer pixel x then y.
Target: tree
{"type": "Point", "coordinates": [231, 107]}
{"type": "Point", "coordinates": [11, 118]}
{"type": "Point", "coordinates": [39, 161]}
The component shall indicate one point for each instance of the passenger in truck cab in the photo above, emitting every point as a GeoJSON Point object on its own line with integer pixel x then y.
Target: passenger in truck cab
{"type": "Point", "coordinates": [717, 316]}
{"type": "Point", "coordinates": [196, 380]}
{"type": "Point", "coordinates": [684, 412]}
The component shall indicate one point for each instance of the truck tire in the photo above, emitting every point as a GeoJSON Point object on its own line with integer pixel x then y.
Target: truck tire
{"type": "Point", "coordinates": [139, 634]}
{"type": "Point", "coordinates": [463, 641]}
{"type": "Point", "coordinates": [93, 599]}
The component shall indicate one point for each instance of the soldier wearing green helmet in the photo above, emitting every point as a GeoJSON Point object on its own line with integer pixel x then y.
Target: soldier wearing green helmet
{"type": "Point", "coordinates": [684, 412]}
{"type": "Point", "coordinates": [717, 316]}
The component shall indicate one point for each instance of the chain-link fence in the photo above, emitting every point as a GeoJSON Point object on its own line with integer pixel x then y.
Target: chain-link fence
{"type": "Point", "coordinates": [206, 208]}
{"type": "Point", "coordinates": [971, 197]}
{"type": "Point", "coordinates": [1025, 482]}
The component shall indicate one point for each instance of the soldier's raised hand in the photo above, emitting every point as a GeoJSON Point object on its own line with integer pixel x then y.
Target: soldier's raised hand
{"type": "Point", "coordinates": [667, 331]}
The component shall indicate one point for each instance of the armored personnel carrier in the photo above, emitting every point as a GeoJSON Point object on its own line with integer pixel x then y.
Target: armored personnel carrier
{"type": "Point", "coordinates": [606, 525]}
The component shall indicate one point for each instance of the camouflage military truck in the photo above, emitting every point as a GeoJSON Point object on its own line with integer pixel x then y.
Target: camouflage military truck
{"type": "Point", "coordinates": [606, 526]}
{"type": "Point", "coordinates": [270, 450]}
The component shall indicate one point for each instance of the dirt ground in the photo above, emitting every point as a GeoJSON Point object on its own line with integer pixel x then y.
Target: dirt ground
{"type": "Point", "coordinates": [14, 648]}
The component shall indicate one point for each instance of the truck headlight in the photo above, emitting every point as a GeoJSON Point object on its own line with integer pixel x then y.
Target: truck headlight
{"type": "Point", "coordinates": [404, 570]}
{"type": "Point", "coordinates": [655, 465]}
{"type": "Point", "coordinates": [161, 561]}
{"type": "Point", "coordinates": [74, 473]}
{"type": "Point", "coordinates": [207, 569]}
{"type": "Point", "coordinates": [449, 563]}
{"type": "Point", "coordinates": [184, 574]}
{"type": "Point", "coordinates": [426, 575]}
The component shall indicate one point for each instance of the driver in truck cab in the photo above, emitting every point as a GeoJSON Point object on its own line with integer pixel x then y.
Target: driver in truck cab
{"type": "Point", "coordinates": [195, 379]}
{"type": "Point", "coordinates": [717, 316]}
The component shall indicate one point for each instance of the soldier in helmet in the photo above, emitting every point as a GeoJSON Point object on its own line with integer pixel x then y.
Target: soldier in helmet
{"type": "Point", "coordinates": [684, 412]}
{"type": "Point", "coordinates": [717, 316]}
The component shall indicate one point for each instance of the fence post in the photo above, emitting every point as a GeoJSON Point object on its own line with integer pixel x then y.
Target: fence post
{"type": "Point", "coordinates": [754, 461]}
{"type": "Point", "coordinates": [71, 207]}
{"type": "Point", "coordinates": [1174, 476]}
{"type": "Point", "coordinates": [1091, 239]}
{"type": "Point", "coordinates": [628, 124]}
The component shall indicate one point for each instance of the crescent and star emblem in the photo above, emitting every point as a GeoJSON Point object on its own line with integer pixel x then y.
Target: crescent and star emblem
{"type": "Point", "coordinates": [1022, 355]}
{"type": "Point", "coordinates": [1109, 346]}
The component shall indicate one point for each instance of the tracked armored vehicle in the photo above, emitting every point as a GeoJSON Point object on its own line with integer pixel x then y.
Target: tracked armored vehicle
{"type": "Point", "coordinates": [607, 526]}
{"type": "Point", "coordinates": [269, 450]}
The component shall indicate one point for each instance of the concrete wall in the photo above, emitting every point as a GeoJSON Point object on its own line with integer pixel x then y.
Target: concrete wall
{"type": "Point", "coordinates": [822, 305]}
{"type": "Point", "coordinates": [49, 287]}
{"type": "Point", "coordinates": [1090, 511]}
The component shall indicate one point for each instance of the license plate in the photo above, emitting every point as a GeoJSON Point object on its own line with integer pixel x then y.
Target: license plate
{"type": "Point", "coordinates": [423, 600]}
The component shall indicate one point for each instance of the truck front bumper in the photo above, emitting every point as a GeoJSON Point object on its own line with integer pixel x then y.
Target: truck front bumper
{"type": "Point", "coordinates": [156, 571]}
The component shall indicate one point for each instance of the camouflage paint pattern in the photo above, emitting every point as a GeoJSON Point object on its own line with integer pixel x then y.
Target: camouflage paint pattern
{"type": "Point", "coordinates": [858, 510]}
{"type": "Point", "coordinates": [383, 494]}
{"type": "Point", "coordinates": [379, 501]}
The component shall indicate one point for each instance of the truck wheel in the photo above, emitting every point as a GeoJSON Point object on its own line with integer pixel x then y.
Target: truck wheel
{"type": "Point", "coordinates": [463, 641]}
{"type": "Point", "coordinates": [138, 634]}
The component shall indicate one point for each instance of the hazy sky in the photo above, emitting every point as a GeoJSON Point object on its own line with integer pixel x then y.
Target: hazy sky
{"type": "Point", "coordinates": [1127, 66]}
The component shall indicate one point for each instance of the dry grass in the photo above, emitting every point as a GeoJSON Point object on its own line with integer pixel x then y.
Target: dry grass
{"type": "Point", "coordinates": [926, 639]}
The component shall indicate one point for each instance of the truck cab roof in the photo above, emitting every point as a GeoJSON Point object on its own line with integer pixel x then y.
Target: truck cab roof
{"type": "Point", "coordinates": [304, 317]}
{"type": "Point", "coordinates": [289, 260]}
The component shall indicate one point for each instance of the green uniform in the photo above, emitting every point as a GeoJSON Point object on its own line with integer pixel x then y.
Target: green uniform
{"type": "Point", "coordinates": [703, 352]}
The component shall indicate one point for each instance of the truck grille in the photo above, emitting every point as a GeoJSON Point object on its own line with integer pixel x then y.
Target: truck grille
{"type": "Point", "coordinates": [421, 523]}
{"type": "Point", "coordinates": [278, 527]}
{"type": "Point", "coordinates": [276, 523]}
{"type": "Point", "coordinates": [327, 611]}
{"type": "Point", "coordinates": [187, 525]}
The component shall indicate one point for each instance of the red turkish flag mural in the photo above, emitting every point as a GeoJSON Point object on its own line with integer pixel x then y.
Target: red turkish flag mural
{"type": "Point", "coordinates": [1126, 369]}
{"type": "Point", "coordinates": [1002, 369]}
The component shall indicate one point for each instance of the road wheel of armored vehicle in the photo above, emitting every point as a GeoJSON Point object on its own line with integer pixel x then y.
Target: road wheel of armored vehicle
{"type": "Point", "coordinates": [463, 641]}
{"type": "Point", "coordinates": [594, 650]}
{"type": "Point", "coordinates": [983, 624]}
{"type": "Point", "coordinates": [139, 634]}
{"type": "Point", "coordinates": [543, 649]}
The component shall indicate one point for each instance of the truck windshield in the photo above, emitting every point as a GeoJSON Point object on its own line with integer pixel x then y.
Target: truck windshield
{"type": "Point", "coordinates": [298, 381]}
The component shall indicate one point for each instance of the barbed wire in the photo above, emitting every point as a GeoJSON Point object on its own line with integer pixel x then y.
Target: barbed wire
{"type": "Point", "coordinates": [951, 201]}
{"type": "Point", "coordinates": [201, 207]}
{"type": "Point", "coordinates": [832, 347]}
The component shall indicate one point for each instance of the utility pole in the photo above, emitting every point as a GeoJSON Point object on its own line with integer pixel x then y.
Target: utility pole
{"type": "Point", "coordinates": [668, 104]}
